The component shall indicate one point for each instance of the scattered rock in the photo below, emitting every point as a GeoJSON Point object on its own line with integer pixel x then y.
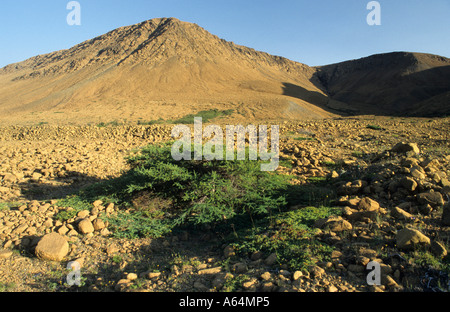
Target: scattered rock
{"type": "Point", "coordinates": [5, 253]}
{"type": "Point", "coordinates": [438, 249]}
{"type": "Point", "coordinates": [405, 148]}
{"type": "Point", "coordinates": [53, 247]}
{"type": "Point", "coordinates": [410, 238]}
{"type": "Point", "coordinates": [85, 226]}
{"type": "Point", "coordinates": [400, 214]}
{"type": "Point", "coordinates": [334, 224]}
{"type": "Point", "coordinates": [431, 198]}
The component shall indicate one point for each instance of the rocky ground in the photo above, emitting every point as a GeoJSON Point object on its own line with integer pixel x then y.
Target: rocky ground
{"type": "Point", "coordinates": [391, 177]}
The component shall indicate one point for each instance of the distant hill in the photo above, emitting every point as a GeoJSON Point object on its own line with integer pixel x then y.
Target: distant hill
{"type": "Point", "coordinates": [399, 83]}
{"type": "Point", "coordinates": [166, 69]}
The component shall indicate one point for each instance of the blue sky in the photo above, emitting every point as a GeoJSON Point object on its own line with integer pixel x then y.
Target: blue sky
{"type": "Point", "coordinates": [312, 32]}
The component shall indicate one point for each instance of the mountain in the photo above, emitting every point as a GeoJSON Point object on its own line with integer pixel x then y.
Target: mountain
{"type": "Point", "coordinates": [166, 68]}
{"type": "Point", "coordinates": [161, 68]}
{"type": "Point", "coordinates": [399, 83]}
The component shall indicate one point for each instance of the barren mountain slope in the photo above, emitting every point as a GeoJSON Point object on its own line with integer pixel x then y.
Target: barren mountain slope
{"type": "Point", "coordinates": [161, 68]}
{"type": "Point", "coordinates": [397, 83]}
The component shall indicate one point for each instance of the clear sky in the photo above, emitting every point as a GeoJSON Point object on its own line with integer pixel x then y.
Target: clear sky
{"type": "Point", "coordinates": [314, 32]}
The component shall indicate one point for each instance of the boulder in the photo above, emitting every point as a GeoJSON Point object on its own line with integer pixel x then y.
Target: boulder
{"type": "Point", "coordinates": [410, 238]}
{"type": "Point", "coordinates": [85, 226]}
{"type": "Point", "coordinates": [53, 247]}
{"type": "Point", "coordinates": [334, 224]}
{"type": "Point", "coordinates": [431, 198]}
{"type": "Point", "coordinates": [404, 148]}
{"type": "Point", "coordinates": [368, 204]}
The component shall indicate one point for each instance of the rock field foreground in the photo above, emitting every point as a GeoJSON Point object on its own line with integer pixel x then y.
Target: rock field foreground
{"type": "Point", "coordinates": [396, 214]}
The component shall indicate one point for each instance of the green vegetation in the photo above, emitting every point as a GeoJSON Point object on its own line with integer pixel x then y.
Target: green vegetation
{"type": "Point", "coordinates": [151, 122]}
{"type": "Point", "coordinates": [159, 195]}
{"type": "Point", "coordinates": [114, 123]}
{"type": "Point", "coordinates": [9, 205]}
{"type": "Point", "coordinates": [291, 235]}
{"type": "Point", "coordinates": [374, 127]}
{"type": "Point", "coordinates": [206, 116]}
{"type": "Point", "coordinates": [305, 139]}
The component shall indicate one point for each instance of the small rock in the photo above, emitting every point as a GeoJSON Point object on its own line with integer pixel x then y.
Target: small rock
{"type": "Point", "coordinates": [229, 252]}
{"type": "Point", "coordinates": [408, 238]}
{"type": "Point", "coordinates": [271, 259]}
{"type": "Point", "coordinates": [316, 271]}
{"type": "Point", "coordinates": [85, 226]}
{"type": "Point", "coordinates": [98, 224]}
{"type": "Point", "coordinates": [438, 249]}
{"type": "Point", "coordinates": [297, 275]}
{"type": "Point", "coordinates": [431, 198]}
{"type": "Point", "coordinates": [132, 276]}
{"type": "Point", "coordinates": [334, 224]}
{"type": "Point", "coordinates": [405, 148]}
{"type": "Point", "coordinates": [409, 184]}
{"type": "Point", "coordinates": [239, 268]}
{"type": "Point", "coordinates": [152, 275]}
{"type": "Point", "coordinates": [83, 214]}
{"type": "Point", "coordinates": [368, 204]}
{"type": "Point", "coordinates": [332, 289]}
{"type": "Point", "coordinates": [5, 253]}
{"type": "Point", "coordinates": [401, 214]}
{"type": "Point", "coordinates": [210, 271]}
{"type": "Point", "coordinates": [266, 276]}
{"type": "Point", "coordinates": [122, 284]}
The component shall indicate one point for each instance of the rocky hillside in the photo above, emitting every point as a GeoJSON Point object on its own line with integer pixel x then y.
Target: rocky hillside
{"type": "Point", "coordinates": [160, 68]}
{"type": "Point", "coordinates": [165, 69]}
{"type": "Point", "coordinates": [403, 84]}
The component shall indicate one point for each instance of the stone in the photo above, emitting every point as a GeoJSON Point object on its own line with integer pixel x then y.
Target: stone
{"type": "Point", "coordinates": [332, 289]}
{"type": "Point", "coordinates": [271, 259]}
{"type": "Point", "coordinates": [368, 204]}
{"type": "Point", "coordinates": [316, 271]}
{"type": "Point", "coordinates": [85, 226]}
{"type": "Point", "coordinates": [97, 203]}
{"type": "Point", "coordinates": [297, 275]}
{"type": "Point", "coordinates": [229, 252]}
{"type": "Point", "coordinates": [210, 271]}
{"type": "Point", "coordinates": [409, 184]}
{"type": "Point", "coordinates": [266, 276]}
{"type": "Point", "coordinates": [122, 284]}
{"type": "Point", "coordinates": [431, 198]}
{"type": "Point", "coordinates": [400, 214]}
{"type": "Point", "coordinates": [98, 224]}
{"type": "Point", "coordinates": [5, 253]}
{"type": "Point", "coordinates": [418, 174]}
{"type": "Point", "coordinates": [239, 268]}
{"type": "Point", "coordinates": [438, 249]}
{"type": "Point", "coordinates": [409, 238]}
{"type": "Point", "coordinates": [53, 247]}
{"type": "Point", "coordinates": [251, 284]}
{"type": "Point", "coordinates": [63, 230]}
{"type": "Point", "coordinates": [334, 224]}
{"type": "Point", "coordinates": [83, 214]}
{"type": "Point", "coordinates": [404, 148]}
{"type": "Point", "coordinates": [132, 276]}
{"type": "Point", "coordinates": [445, 219]}
{"type": "Point", "coordinates": [152, 275]}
